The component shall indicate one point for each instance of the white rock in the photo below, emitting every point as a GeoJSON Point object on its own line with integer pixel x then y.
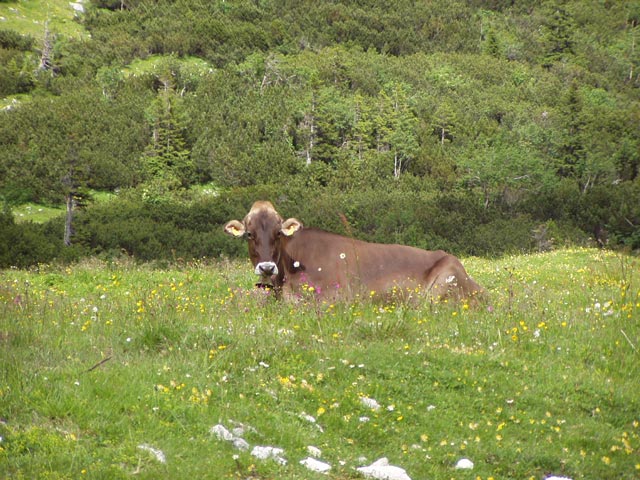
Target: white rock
{"type": "Point", "coordinates": [311, 419]}
{"type": "Point", "coordinates": [157, 453]}
{"type": "Point", "coordinates": [313, 451]}
{"type": "Point", "coordinates": [77, 6]}
{"type": "Point", "coordinates": [464, 464]}
{"type": "Point", "coordinates": [265, 453]}
{"type": "Point", "coordinates": [240, 443]}
{"type": "Point", "coordinates": [370, 403]}
{"type": "Point", "coordinates": [307, 417]}
{"type": "Point", "coordinates": [381, 470]}
{"type": "Point", "coordinates": [315, 465]}
{"type": "Point", "coordinates": [222, 433]}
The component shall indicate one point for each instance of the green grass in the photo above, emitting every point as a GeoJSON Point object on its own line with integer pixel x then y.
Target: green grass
{"type": "Point", "coordinates": [29, 18]}
{"type": "Point", "coordinates": [37, 213]}
{"type": "Point", "coordinates": [150, 64]}
{"type": "Point", "coordinates": [542, 380]}
{"type": "Point", "coordinates": [31, 212]}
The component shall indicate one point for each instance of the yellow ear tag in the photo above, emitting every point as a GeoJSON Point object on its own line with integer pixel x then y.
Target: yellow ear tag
{"type": "Point", "coordinates": [234, 228]}
{"type": "Point", "coordinates": [236, 232]}
{"type": "Point", "coordinates": [289, 231]}
{"type": "Point", "coordinates": [290, 227]}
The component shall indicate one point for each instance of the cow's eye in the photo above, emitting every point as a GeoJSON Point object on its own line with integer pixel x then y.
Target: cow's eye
{"type": "Point", "coordinates": [249, 235]}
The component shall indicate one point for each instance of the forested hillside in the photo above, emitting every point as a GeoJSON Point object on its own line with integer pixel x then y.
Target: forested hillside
{"type": "Point", "coordinates": [477, 126]}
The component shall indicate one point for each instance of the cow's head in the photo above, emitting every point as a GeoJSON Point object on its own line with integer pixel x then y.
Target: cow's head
{"type": "Point", "coordinates": [263, 228]}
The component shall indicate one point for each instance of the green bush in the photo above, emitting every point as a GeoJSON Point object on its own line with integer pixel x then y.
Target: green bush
{"type": "Point", "coordinates": [25, 244]}
{"type": "Point", "coordinates": [186, 227]}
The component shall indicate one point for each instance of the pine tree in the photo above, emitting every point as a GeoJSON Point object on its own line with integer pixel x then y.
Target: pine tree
{"type": "Point", "coordinates": [167, 159]}
{"type": "Point", "coordinates": [558, 35]}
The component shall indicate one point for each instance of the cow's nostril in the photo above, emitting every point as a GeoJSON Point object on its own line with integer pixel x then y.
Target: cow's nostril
{"type": "Point", "coordinates": [266, 269]}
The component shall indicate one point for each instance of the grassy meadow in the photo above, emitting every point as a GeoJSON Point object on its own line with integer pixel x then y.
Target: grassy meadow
{"type": "Point", "coordinates": [33, 17]}
{"type": "Point", "coordinates": [117, 370]}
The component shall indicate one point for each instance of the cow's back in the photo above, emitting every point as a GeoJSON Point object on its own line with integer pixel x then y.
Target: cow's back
{"type": "Point", "coordinates": [333, 264]}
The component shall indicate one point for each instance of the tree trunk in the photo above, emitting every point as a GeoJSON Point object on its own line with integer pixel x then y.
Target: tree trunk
{"type": "Point", "coordinates": [311, 120]}
{"type": "Point", "coordinates": [397, 165]}
{"type": "Point", "coordinates": [47, 50]}
{"type": "Point", "coordinates": [68, 222]}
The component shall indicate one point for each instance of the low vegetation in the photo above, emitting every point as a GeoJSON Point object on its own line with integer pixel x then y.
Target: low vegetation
{"type": "Point", "coordinates": [115, 369]}
{"type": "Point", "coordinates": [511, 118]}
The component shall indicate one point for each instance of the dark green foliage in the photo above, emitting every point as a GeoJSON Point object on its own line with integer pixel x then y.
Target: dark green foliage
{"type": "Point", "coordinates": [150, 231]}
{"type": "Point", "coordinates": [478, 127]}
{"type": "Point", "coordinates": [14, 41]}
{"type": "Point", "coordinates": [25, 244]}
{"type": "Point", "coordinates": [16, 68]}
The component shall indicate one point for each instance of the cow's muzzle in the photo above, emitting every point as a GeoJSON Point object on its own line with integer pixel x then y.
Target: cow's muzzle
{"type": "Point", "coordinates": [266, 269]}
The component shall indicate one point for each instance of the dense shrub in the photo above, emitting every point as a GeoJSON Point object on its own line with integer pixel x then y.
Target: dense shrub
{"type": "Point", "coordinates": [455, 221]}
{"type": "Point", "coordinates": [25, 244]}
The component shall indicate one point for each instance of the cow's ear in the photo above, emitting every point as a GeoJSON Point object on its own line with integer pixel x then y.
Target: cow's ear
{"type": "Point", "coordinates": [234, 228]}
{"type": "Point", "coordinates": [290, 226]}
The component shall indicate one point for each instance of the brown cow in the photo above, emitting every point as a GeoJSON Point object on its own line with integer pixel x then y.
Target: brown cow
{"type": "Point", "coordinates": [286, 254]}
